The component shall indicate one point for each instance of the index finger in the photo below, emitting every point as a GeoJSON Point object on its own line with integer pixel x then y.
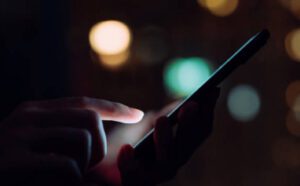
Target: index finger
{"type": "Point", "coordinates": [108, 110]}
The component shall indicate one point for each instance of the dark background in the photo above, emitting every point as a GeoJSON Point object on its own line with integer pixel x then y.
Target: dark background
{"type": "Point", "coordinates": [45, 54]}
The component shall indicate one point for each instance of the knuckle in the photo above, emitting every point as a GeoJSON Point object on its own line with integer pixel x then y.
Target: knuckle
{"type": "Point", "coordinates": [85, 137]}
{"type": "Point", "coordinates": [69, 162]}
{"type": "Point", "coordinates": [111, 107]}
{"type": "Point", "coordinates": [119, 105]}
{"type": "Point", "coordinates": [85, 134]}
{"type": "Point", "coordinates": [70, 167]}
{"type": "Point", "coordinates": [91, 117]}
{"type": "Point", "coordinates": [116, 107]}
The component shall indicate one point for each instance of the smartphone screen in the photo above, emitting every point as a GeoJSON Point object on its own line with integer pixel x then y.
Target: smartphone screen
{"type": "Point", "coordinates": [144, 148]}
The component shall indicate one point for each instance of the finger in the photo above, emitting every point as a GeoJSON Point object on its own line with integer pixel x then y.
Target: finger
{"type": "Point", "coordinates": [69, 142]}
{"type": "Point", "coordinates": [195, 119]}
{"type": "Point", "coordinates": [107, 109]}
{"type": "Point", "coordinates": [126, 158]}
{"type": "Point", "coordinates": [36, 169]}
{"type": "Point", "coordinates": [163, 139]}
{"type": "Point", "coordinates": [73, 118]}
{"type": "Point", "coordinates": [195, 125]}
{"type": "Point", "coordinates": [133, 173]}
{"type": "Point", "coordinates": [127, 166]}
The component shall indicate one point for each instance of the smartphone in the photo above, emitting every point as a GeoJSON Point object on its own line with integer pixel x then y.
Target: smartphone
{"type": "Point", "coordinates": [144, 149]}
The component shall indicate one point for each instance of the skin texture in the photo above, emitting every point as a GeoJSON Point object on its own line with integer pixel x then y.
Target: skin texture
{"type": "Point", "coordinates": [60, 142]}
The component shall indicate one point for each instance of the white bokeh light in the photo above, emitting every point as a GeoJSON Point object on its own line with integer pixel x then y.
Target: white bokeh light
{"type": "Point", "coordinates": [110, 37]}
{"type": "Point", "coordinates": [243, 103]}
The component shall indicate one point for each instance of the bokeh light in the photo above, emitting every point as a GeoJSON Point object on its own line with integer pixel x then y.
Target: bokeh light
{"type": "Point", "coordinates": [151, 45]}
{"type": "Point", "coordinates": [220, 7]}
{"type": "Point", "coordinates": [296, 108]}
{"type": "Point", "coordinates": [182, 76]}
{"type": "Point", "coordinates": [286, 153]}
{"type": "Point", "coordinates": [243, 103]}
{"type": "Point", "coordinates": [293, 6]}
{"type": "Point", "coordinates": [110, 37]}
{"type": "Point", "coordinates": [292, 44]}
{"type": "Point", "coordinates": [292, 95]}
{"type": "Point", "coordinates": [293, 124]}
{"type": "Point", "coordinates": [114, 61]}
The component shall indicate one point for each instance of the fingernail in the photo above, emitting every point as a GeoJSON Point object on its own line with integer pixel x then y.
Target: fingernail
{"type": "Point", "coordinates": [137, 114]}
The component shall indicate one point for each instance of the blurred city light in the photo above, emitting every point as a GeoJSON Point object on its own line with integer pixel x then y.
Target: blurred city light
{"type": "Point", "coordinates": [110, 37]}
{"type": "Point", "coordinates": [293, 6]}
{"type": "Point", "coordinates": [286, 153]}
{"type": "Point", "coordinates": [182, 76]}
{"type": "Point", "coordinates": [292, 44]}
{"type": "Point", "coordinates": [220, 7]}
{"type": "Point", "coordinates": [296, 108]}
{"type": "Point", "coordinates": [151, 45]}
{"type": "Point", "coordinates": [114, 61]}
{"type": "Point", "coordinates": [293, 101]}
{"type": "Point", "coordinates": [292, 95]}
{"type": "Point", "coordinates": [243, 103]}
{"type": "Point", "coordinates": [293, 124]}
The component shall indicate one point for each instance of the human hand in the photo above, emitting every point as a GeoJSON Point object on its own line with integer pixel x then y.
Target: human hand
{"type": "Point", "coordinates": [195, 122]}
{"type": "Point", "coordinates": [55, 142]}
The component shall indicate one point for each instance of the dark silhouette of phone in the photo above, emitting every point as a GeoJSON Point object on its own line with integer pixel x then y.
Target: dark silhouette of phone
{"type": "Point", "coordinates": [144, 149]}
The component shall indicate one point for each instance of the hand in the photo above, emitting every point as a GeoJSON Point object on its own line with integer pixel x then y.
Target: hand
{"type": "Point", "coordinates": [55, 142]}
{"type": "Point", "coordinates": [195, 122]}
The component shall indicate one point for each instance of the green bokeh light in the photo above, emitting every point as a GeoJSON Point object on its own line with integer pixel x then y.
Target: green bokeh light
{"type": "Point", "coordinates": [183, 76]}
{"type": "Point", "coordinates": [243, 103]}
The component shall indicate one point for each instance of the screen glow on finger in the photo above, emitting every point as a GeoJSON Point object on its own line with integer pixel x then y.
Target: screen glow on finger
{"type": "Point", "coordinates": [243, 103]}
{"type": "Point", "coordinates": [182, 76]}
{"type": "Point", "coordinates": [110, 37]}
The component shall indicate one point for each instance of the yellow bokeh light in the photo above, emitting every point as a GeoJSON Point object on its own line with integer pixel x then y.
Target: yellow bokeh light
{"type": "Point", "coordinates": [293, 6]}
{"type": "Point", "coordinates": [292, 95]}
{"type": "Point", "coordinates": [114, 61]}
{"type": "Point", "coordinates": [214, 4]}
{"type": "Point", "coordinates": [220, 7]}
{"type": "Point", "coordinates": [292, 44]}
{"type": "Point", "coordinates": [293, 124]}
{"type": "Point", "coordinates": [286, 153]}
{"type": "Point", "coordinates": [110, 37]}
